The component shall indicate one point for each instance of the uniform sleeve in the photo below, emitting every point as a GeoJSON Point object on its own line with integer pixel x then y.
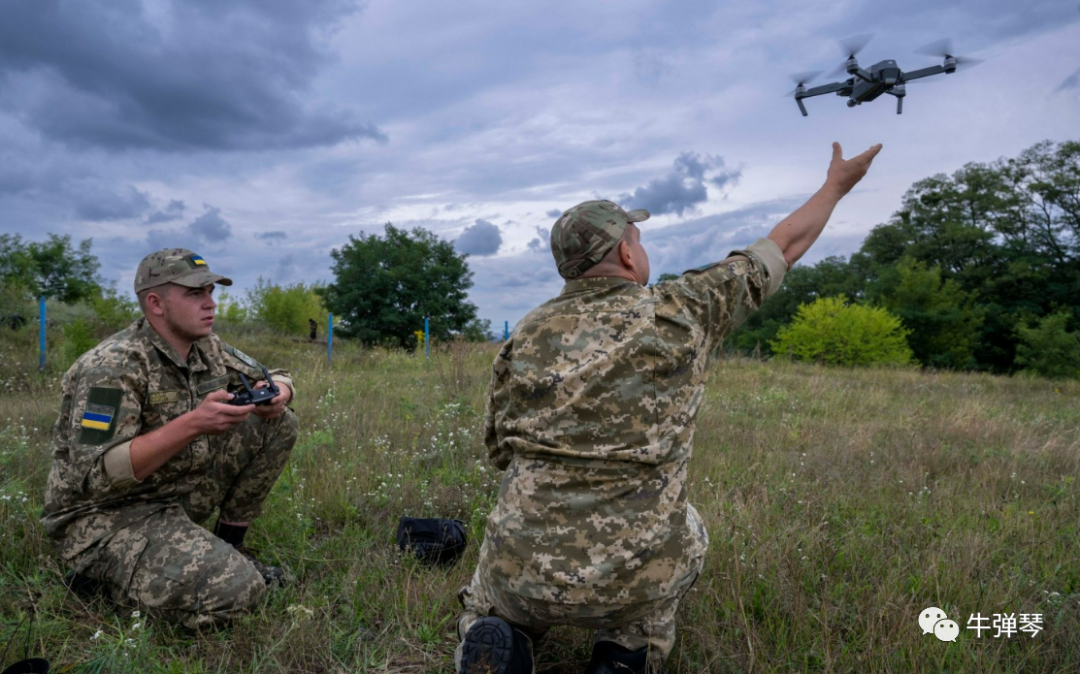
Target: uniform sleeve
{"type": "Point", "coordinates": [105, 416]}
{"type": "Point", "coordinates": [723, 294]}
{"type": "Point", "coordinates": [498, 400]}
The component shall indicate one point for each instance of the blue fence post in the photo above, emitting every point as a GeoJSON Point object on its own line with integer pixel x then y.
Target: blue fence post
{"type": "Point", "coordinates": [506, 331]}
{"type": "Point", "coordinates": [427, 338]}
{"type": "Point", "coordinates": [41, 334]}
{"type": "Point", "coordinates": [329, 339]}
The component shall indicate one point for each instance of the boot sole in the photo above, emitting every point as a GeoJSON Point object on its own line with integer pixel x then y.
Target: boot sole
{"type": "Point", "coordinates": [488, 648]}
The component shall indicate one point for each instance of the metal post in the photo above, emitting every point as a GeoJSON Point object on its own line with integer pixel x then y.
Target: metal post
{"type": "Point", "coordinates": [427, 338]}
{"type": "Point", "coordinates": [506, 331]}
{"type": "Point", "coordinates": [41, 334]}
{"type": "Point", "coordinates": [329, 339]}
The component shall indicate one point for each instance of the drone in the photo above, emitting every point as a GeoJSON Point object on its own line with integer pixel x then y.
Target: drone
{"type": "Point", "coordinates": [884, 77]}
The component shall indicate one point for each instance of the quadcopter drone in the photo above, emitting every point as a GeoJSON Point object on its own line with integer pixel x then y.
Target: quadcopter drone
{"type": "Point", "coordinates": [884, 77]}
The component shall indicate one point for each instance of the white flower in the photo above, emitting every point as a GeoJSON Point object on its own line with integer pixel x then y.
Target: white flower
{"type": "Point", "coordinates": [97, 635]}
{"type": "Point", "coordinates": [136, 614]}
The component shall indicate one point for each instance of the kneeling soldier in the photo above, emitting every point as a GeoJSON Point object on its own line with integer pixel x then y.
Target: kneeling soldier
{"type": "Point", "coordinates": [147, 446]}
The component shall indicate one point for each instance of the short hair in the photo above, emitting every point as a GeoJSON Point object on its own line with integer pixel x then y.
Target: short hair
{"type": "Point", "coordinates": [161, 290]}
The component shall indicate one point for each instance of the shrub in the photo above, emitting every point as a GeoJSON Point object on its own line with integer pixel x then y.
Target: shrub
{"type": "Point", "coordinates": [287, 308]}
{"type": "Point", "coordinates": [832, 332]}
{"type": "Point", "coordinates": [1049, 349]}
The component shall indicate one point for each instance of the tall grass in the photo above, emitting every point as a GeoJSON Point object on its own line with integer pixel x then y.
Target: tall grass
{"type": "Point", "coordinates": [840, 503]}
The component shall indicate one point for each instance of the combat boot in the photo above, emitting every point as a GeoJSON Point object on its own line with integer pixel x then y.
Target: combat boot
{"type": "Point", "coordinates": [492, 646]}
{"type": "Point", "coordinates": [271, 574]}
{"type": "Point", "coordinates": [609, 657]}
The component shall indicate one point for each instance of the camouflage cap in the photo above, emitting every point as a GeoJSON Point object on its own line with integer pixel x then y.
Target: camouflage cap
{"type": "Point", "coordinates": [175, 265]}
{"type": "Point", "coordinates": [584, 234]}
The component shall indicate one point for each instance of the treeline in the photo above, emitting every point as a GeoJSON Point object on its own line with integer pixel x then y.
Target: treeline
{"type": "Point", "coordinates": [982, 269]}
{"type": "Point", "coordinates": [384, 288]}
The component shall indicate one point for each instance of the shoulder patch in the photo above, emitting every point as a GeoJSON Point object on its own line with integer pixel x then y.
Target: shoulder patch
{"type": "Point", "coordinates": [242, 357]}
{"type": "Point", "coordinates": [98, 417]}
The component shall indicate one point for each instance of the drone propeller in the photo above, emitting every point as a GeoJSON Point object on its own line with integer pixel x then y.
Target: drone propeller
{"type": "Point", "coordinates": [944, 49]}
{"type": "Point", "coordinates": [802, 78]}
{"type": "Point", "coordinates": [850, 47]}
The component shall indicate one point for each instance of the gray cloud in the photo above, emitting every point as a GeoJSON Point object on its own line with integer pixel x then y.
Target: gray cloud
{"type": "Point", "coordinates": [542, 242]}
{"type": "Point", "coordinates": [222, 76]}
{"type": "Point", "coordinates": [108, 206]}
{"type": "Point", "coordinates": [1071, 82]}
{"type": "Point", "coordinates": [174, 211]}
{"type": "Point", "coordinates": [286, 269]}
{"type": "Point", "coordinates": [693, 243]}
{"type": "Point", "coordinates": [683, 187]}
{"type": "Point", "coordinates": [275, 235]}
{"type": "Point", "coordinates": [210, 226]}
{"type": "Point", "coordinates": [553, 213]}
{"type": "Point", "coordinates": [480, 239]}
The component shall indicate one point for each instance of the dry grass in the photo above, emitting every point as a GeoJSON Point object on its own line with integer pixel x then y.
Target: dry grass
{"type": "Point", "coordinates": [840, 503]}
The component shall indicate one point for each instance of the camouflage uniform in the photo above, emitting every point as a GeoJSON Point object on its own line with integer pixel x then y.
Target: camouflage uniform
{"type": "Point", "coordinates": [591, 414]}
{"type": "Point", "coordinates": [141, 539]}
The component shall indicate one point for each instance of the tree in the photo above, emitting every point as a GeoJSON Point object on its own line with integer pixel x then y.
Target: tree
{"type": "Point", "coordinates": [385, 286]}
{"type": "Point", "coordinates": [1049, 349]}
{"type": "Point", "coordinates": [943, 321]}
{"type": "Point", "coordinates": [802, 285]}
{"type": "Point", "coordinates": [52, 268]}
{"type": "Point", "coordinates": [832, 332]}
{"type": "Point", "coordinates": [288, 308]}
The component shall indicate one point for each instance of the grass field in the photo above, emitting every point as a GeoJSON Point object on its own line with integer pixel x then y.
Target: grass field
{"type": "Point", "coordinates": [840, 504]}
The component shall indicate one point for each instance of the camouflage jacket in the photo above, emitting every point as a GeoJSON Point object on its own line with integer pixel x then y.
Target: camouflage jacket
{"type": "Point", "coordinates": [591, 413]}
{"type": "Point", "coordinates": [130, 384]}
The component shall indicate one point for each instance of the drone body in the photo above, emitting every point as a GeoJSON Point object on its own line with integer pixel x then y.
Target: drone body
{"type": "Point", "coordinates": [884, 77]}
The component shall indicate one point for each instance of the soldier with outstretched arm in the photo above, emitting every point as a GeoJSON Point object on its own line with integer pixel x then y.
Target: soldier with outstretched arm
{"type": "Point", "coordinates": [146, 448]}
{"type": "Point", "coordinates": [591, 412]}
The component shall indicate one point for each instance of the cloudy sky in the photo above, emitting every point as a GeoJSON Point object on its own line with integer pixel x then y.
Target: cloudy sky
{"type": "Point", "coordinates": [263, 133]}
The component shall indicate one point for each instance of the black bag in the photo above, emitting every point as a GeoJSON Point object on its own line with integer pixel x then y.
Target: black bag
{"type": "Point", "coordinates": [433, 540]}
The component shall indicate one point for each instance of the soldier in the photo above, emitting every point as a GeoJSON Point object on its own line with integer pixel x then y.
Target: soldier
{"type": "Point", "coordinates": [591, 413]}
{"type": "Point", "coordinates": [146, 447]}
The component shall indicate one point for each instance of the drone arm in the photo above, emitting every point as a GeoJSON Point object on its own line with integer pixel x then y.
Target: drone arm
{"type": "Point", "coordinates": [862, 75]}
{"type": "Point", "coordinates": [823, 89]}
{"type": "Point", "coordinates": [802, 107]}
{"type": "Point", "coordinates": [924, 72]}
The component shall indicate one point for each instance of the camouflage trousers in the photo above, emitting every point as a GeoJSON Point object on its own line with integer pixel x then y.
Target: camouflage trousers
{"type": "Point", "coordinates": [175, 568]}
{"type": "Point", "coordinates": [644, 625]}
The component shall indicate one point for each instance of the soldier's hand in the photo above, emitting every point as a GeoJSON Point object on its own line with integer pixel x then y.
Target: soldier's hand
{"type": "Point", "coordinates": [276, 407]}
{"type": "Point", "coordinates": [846, 173]}
{"type": "Point", "coordinates": [213, 415]}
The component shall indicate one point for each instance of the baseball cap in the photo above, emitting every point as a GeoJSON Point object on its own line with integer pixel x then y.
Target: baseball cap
{"type": "Point", "coordinates": [175, 265]}
{"type": "Point", "coordinates": [584, 234]}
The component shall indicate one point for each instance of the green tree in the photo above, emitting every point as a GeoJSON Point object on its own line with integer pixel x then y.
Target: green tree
{"type": "Point", "coordinates": [802, 285]}
{"type": "Point", "coordinates": [287, 308]}
{"type": "Point", "coordinates": [1008, 232]}
{"type": "Point", "coordinates": [943, 321]}
{"type": "Point", "coordinates": [53, 268]}
{"type": "Point", "coordinates": [385, 285]}
{"type": "Point", "coordinates": [1049, 349]}
{"type": "Point", "coordinates": [832, 332]}
{"type": "Point", "coordinates": [230, 310]}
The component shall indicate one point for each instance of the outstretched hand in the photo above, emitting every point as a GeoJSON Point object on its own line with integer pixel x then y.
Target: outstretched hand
{"type": "Point", "coordinates": [844, 174]}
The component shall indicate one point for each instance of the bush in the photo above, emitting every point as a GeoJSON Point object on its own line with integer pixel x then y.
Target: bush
{"type": "Point", "coordinates": [113, 312]}
{"type": "Point", "coordinates": [79, 337]}
{"type": "Point", "coordinates": [1048, 349]}
{"type": "Point", "coordinates": [832, 332]}
{"type": "Point", "coordinates": [288, 308]}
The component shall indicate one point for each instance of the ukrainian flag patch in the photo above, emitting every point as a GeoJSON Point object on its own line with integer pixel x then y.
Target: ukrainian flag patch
{"type": "Point", "coordinates": [99, 415]}
{"type": "Point", "coordinates": [198, 261]}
